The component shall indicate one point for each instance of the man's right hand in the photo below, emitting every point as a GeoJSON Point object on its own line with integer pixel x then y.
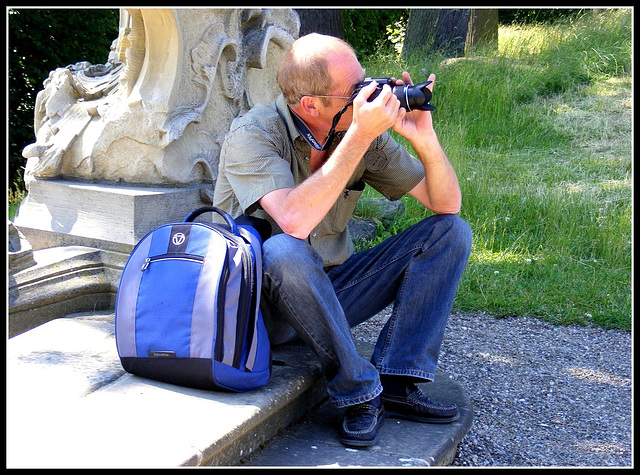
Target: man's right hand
{"type": "Point", "coordinates": [371, 119]}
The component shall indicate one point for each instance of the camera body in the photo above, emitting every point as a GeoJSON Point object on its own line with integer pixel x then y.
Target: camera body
{"type": "Point", "coordinates": [411, 97]}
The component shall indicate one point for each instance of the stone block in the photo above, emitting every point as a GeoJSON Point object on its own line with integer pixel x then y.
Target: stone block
{"type": "Point", "coordinates": [104, 216]}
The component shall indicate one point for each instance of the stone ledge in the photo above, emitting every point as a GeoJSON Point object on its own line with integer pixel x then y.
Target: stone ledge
{"type": "Point", "coordinates": [70, 404]}
{"type": "Point", "coordinates": [106, 216]}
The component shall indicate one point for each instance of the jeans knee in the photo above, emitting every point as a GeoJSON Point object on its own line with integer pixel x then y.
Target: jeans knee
{"type": "Point", "coordinates": [456, 231]}
{"type": "Point", "coordinates": [283, 253]}
{"type": "Point", "coordinates": [462, 233]}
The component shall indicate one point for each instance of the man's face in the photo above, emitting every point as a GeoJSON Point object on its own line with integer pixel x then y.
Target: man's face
{"type": "Point", "coordinates": [346, 72]}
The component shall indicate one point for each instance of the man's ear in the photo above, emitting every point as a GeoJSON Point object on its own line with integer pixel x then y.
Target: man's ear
{"type": "Point", "coordinates": [308, 105]}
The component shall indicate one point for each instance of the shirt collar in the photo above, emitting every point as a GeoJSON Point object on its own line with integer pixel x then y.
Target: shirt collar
{"type": "Point", "coordinates": [285, 113]}
{"type": "Point", "coordinates": [294, 133]}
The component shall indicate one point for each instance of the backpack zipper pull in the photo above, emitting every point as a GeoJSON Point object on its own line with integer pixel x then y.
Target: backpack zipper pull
{"type": "Point", "coordinates": [146, 264]}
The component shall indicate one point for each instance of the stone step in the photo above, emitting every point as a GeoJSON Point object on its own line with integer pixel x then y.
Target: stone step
{"type": "Point", "coordinates": [70, 404]}
{"type": "Point", "coordinates": [313, 442]}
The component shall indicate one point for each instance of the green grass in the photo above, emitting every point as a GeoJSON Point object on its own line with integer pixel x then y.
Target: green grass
{"type": "Point", "coordinates": [15, 195]}
{"type": "Point", "coordinates": [539, 133]}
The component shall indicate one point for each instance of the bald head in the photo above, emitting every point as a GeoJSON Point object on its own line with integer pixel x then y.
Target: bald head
{"type": "Point", "coordinates": [315, 44]}
{"type": "Point", "coordinates": [305, 69]}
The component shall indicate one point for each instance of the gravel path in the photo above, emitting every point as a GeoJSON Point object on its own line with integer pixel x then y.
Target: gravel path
{"type": "Point", "coordinates": [542, 395]}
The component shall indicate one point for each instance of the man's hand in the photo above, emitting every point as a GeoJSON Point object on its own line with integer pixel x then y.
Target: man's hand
{"type": "Point", "coordinates": [417, 124]}
{"type": "Point", "coordinates": [439, 190]}
{"type": "Point", "coordinates": [371, 119]}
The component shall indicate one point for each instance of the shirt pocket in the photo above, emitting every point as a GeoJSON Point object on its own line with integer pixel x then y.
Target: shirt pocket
{"type": "Point", "coordinates": [342, 210]}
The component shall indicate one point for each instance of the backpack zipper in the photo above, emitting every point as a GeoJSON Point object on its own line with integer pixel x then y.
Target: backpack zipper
{"type": "Point", "coordinates": [171, 257]}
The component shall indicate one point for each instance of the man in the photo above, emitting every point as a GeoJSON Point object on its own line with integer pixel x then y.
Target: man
{"type": "Point", "coordinates": [273, 165]}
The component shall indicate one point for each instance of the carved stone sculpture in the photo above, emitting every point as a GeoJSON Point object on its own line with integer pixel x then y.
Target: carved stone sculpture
{"type": "Point", "coordinates": [157, 111]}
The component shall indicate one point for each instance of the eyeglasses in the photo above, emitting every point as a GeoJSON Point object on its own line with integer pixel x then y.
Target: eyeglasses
{"type": "Point", "coordinates": [329, 97]}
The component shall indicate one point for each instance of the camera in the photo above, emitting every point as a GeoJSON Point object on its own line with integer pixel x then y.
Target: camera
{"type": "Point", "coordinates": [411, 97]}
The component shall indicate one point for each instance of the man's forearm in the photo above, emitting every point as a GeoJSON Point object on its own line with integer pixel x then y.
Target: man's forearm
{"type": "Point", "coordinates": [299, 210]}
{"type": "Point", "coordinates": [440, 191]}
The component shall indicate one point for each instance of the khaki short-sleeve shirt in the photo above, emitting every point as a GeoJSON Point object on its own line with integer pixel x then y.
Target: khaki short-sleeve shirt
{"type": "Point", "coordinates": [264, 152]}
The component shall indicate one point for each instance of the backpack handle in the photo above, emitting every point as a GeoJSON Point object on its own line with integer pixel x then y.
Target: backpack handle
{"type": "Point", "coordinates": [205, 209]}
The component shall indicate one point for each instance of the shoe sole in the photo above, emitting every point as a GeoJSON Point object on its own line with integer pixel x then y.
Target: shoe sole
{"type": "Point", "coordinates": [359, 443]}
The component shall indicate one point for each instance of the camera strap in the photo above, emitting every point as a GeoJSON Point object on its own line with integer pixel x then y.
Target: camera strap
{"type": "Point", "coordinates": [306, 133]}
{"type": "Point", "coordinates": [308, 136]}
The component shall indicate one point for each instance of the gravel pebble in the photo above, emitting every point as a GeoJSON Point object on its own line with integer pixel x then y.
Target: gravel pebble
{"type": "Point", "coordinates": [542, 395]}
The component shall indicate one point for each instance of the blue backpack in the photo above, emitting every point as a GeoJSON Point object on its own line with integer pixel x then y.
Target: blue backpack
{"type": "Point", "coordinates": [188, 306]}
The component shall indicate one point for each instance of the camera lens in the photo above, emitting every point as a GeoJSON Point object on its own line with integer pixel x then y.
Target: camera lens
{"type": "Point", "coordinates": [414, 97]}
{"type": "Point", "coordinates": [410, 97]}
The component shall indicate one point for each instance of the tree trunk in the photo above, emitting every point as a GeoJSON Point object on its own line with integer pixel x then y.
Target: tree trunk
{"type": "Point", "coordinates": [327, 21]}
{"type": "Point", "coordinates": [421, 30]}
{"type": "Point", "coordinates": [442, 29]}
{"type": "Point", "coordinates": [482, 30]}
{"type": "Point", "coordinates": [452, 31]}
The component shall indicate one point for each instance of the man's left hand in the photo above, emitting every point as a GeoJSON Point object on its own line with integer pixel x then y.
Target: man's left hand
{"type": "Point", "coordinates": [416, 124]}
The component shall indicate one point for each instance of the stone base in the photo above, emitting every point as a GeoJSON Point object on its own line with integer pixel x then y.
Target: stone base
{"type": "Point", "coordinates": [79, 236]}
{"type": "Point", "coordinates": [110, 217]}
{"type": "Point", "coordinates": [63, 280]}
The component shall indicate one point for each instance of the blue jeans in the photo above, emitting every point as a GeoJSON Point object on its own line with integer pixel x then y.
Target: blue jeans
{"type": "Point", "coordinates": [418, 270]}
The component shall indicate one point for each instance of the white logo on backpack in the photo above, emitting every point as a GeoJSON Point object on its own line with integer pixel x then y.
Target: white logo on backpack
{"type": "Point", "coordinates": [178, 238]}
